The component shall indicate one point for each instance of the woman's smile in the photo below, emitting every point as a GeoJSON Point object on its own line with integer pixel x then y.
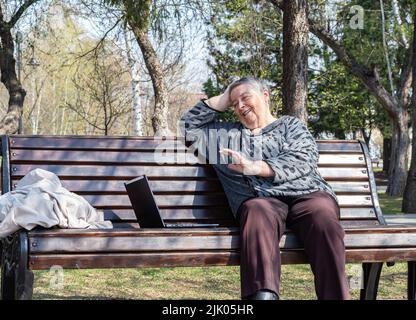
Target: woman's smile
{"type": "Point", "coordinates": [246, 112]}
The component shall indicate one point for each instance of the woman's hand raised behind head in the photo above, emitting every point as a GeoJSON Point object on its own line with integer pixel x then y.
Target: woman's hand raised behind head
{"type": "Point", "coordinates": [220, 102]}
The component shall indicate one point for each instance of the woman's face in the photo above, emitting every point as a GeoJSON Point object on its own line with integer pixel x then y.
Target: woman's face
{"type": "Point", "coordinates": [250, 106]}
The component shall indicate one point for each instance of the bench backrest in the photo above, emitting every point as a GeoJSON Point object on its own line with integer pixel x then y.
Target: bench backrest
{"type": "Point", "coordinates": [96, 168]}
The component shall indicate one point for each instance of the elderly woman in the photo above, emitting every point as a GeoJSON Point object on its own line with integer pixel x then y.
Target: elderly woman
{"type": "Point", "coordinates": [272, 182]}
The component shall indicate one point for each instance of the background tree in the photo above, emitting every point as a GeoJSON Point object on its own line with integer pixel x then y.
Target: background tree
{"type": "Point", "coordinates": [102, 96]}
{"type": "Point", "coordinates": [346, 45]}
{"type": "Point", "coordinates": [295, 58]}
{"type": "Point", "coordinates": [246, 39]}
{"type": "Point", "coordinates": [409, 198]}
{"type": "Point", "coordinates": [9, 16]}
{"type": "Point", "coordinates": [137, 15]}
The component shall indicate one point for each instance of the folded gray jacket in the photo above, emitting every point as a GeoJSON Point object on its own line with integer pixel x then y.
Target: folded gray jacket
{"type": "Point", "coordinates": [40, 200]}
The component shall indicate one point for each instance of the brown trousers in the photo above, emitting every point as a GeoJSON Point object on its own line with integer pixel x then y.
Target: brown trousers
{"type": "Point", "coordinates": [314, 219]}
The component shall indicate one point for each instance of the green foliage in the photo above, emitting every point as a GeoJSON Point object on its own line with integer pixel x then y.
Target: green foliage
{"type": "Point", "coordinates": [366, 45]}
{"type": "Point", "coordinates": [245, 39]}
{"type": "Point", "coordinates": [210, 88]}
{"type": "Point", "coordinates": [135, 10]}
{"type": "Point", "coordinates": [161, 17]}
{"type": "Point", "coordinates": [341, 100]}
{"type": "Point", "coordinates": [342, 103]}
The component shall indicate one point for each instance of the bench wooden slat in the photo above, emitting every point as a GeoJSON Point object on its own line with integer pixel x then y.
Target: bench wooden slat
{"type": "Point", "coordinates": [345, 174]}
{"type": "Point", "coordinates": [341, 159]}
{"type": "Point", "coordinates": [204, 240]}
{"type": "Point", "coordinates": [357, 213]}
{"type": "Point", "coordinates": [127, 172]}
{"type": "Point", "coordinates": [93, 142]}
{"type": "Point", "coordinates": [328, 146]}
{"type": "Point", "coordinates": [120, 201]}
{"type": "Point", "coordinates": [196, 259]}
{"type": "Point", "coordinates": [150, 232]}
{"type": "Point", "coordinates": [139, 143]}
{"type": "Point", "coordinates": [133, 244]}
{"type": "Point", "coordinates": [117, 172]}
{"type": "Point", "coordinates": [158, 186]}
{"type": "Point", "coordinates": [134, 260]}
{"type": "Point", "coordinates": [355, 201]}
{"type": "Point", "coordinates": [342, 187]}
{"type": "Point", "coordinates": [218, 214]}
{"type": "Point", "coordinates": [359, 223]}
{"type": "Point", "coordinates": [135, 157]}
{"type": "Point", "coordinates": [163, 201]}
{"type": "Point", "coordinates": [174, 214]}
{"type": "Point", "coordinates": [182, 186]}
{"type": "Point", "coordinates": [100, 157]}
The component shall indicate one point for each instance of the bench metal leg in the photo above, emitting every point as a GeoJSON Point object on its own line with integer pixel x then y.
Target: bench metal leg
{"type": "Point", "coordinates": [371, 273]}
{"type": "Point", "coordinates": [16, 278]}
{"type": "Point", "coordinates": [411, 280]}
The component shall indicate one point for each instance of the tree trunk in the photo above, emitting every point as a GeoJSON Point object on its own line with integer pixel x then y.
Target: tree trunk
{"type": "Point", "coordinates": [367, 137]}
{"type": "Point", "coordinates": [409, 197]}
{"type": "Point", "coordinates": [339, 134]}
{"type": "Point", "coordinates": [386, 154]}
{"type": "Point", "coordinates": [10, 122]}
{"type": "Point", "coordinates": [135, 87]}
{"type": "Point", "coordinates": [395, 105]}
{"type": "Point", "coordinates": [160, 116]}
{"type": "Point", "coordinates": [399, 159]}
{"type": "Point", "coordinates": [295, 58]}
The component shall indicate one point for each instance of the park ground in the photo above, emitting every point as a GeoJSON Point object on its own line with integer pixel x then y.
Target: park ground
{"type": "Point", "coordinates": [204, 282]}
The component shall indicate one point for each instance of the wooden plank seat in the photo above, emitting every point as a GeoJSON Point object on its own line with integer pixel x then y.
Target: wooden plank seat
{"type": "Point", "coordinates": [96, 167]}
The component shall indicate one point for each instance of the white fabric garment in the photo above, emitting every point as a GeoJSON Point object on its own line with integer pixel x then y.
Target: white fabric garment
{"type": "Point", "coordinates": [39, 199]}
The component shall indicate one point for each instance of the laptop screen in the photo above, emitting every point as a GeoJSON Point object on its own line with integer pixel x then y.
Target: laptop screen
{"type": "Point", "coordinates": [143, 203]}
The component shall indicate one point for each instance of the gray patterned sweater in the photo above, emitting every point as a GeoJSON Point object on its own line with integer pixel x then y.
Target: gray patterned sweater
{"type": "Point", "coordinates": [285, 144]}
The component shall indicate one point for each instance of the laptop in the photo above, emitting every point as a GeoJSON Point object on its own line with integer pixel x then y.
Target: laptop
{"type": "Point", "coordinates": [145, 207]}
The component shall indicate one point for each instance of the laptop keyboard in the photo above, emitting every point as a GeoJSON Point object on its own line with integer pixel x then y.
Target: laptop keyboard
{"type": "Point", "coordinates": [190, 225]}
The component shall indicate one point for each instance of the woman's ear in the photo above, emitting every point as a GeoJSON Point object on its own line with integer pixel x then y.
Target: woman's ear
{"type": "Point", "coordinates": [266, 95]}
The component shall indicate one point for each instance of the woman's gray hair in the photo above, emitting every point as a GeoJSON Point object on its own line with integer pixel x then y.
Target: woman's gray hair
{"type": "Point", "coordinates": [254, 82]}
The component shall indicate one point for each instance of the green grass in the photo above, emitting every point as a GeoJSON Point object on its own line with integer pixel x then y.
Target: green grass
{"type": "Point", "coordinates": [390, 205]}
{"type": "Point", "coordinates": [194, 283]}
{"type": "Point", "coordinates": [201, 283]}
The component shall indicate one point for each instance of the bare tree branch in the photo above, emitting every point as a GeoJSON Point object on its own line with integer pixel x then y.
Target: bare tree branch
{"type": "Point", "coordinates": [385, 49]}
{"type": "Point", "coordinates": [20, 12]}
{"type": "Point", "coordinates": [100, 43]}
{"type": "Point", "coordinates": [396, 13]}
{"type": "Point", "coordinates": [405, 78]}
{"type": "Point", "coordinates": [368, 77]}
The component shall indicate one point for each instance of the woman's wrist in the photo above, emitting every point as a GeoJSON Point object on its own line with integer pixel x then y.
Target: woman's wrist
{"type": "Point", "coordinates": [219, 103]}
{"type": "Point", "coordinates": [263, 168]}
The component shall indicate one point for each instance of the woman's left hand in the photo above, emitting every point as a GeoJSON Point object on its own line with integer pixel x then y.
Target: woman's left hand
{"type": "Point", "coordinates": [242, 164]}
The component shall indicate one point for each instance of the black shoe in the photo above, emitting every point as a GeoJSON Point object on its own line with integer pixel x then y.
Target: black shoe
{"type": "Point", "coordinates": [264, 295]}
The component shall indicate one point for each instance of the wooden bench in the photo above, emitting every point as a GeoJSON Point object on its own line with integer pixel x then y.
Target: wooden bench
{"type": "Point", "coordinates": [96, 167]}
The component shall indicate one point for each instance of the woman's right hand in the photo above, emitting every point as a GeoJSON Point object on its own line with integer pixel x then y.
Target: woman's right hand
{"type": "Point", "coordinates": [220, 102]}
